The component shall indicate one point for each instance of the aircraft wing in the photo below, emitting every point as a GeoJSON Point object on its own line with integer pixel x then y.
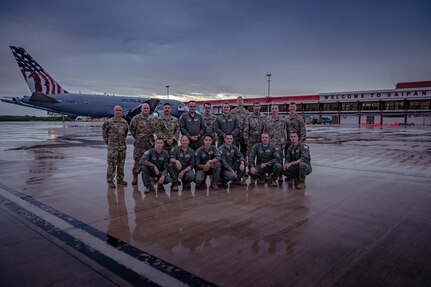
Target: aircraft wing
{"type": "Point", "coordinates": [17, 101]}
{"type": "Point", "coordinates": [41, 97]}
{"type": "Point", "coordinates": [128, 115]}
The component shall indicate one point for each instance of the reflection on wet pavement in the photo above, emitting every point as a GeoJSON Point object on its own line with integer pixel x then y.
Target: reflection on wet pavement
{"type": "Point", "coordinates": [366, 188]}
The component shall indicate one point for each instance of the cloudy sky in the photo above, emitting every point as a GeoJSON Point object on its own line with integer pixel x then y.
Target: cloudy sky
{"type": "Point", "coordinates": [213, 49]}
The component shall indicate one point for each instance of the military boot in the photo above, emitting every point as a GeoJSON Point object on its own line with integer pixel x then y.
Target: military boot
{"type": "Point", "coordinates": [241, 182]}
{"type": "Point", "coordinates": [135, 180]}
{"type": "Point", "coordinates": [300, 185]}
{"type": "Point", "coordinates": [111, 184]}
{"type": "Point", "coordinates": [122, 182]}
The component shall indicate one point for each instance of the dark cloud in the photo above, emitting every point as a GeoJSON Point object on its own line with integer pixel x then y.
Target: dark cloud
{"type": "Point", "coordinates": [218, 47]}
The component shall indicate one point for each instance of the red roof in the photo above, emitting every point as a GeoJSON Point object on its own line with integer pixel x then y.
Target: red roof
{"type": "Point", "coordinates": [409, 85]}
{"type": "Point", "coordinates": [283, 99]}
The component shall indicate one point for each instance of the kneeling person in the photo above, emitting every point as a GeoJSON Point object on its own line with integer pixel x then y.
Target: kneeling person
{"type": "Point", "coordinates": [232, 161]}
{"type": "Point", "coordinates": [207, 163]}
{"type": "Point", "coordinates": [298, 161]}
{"type": "Point", "coordinates": [264, 158]}
{"type": "Point", "coordinates": [154, 164]}
{"type": "Point", "coordinates": [182, 161]}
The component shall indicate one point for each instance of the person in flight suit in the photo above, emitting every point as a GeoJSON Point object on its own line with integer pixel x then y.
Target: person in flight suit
{"type": "Point", "coordinates": [154, 164]}
{"type": "Point", "coordinates": [182, 162]}
{"type": "Point", "coordinates": [192, 125]}
{"type": "Point", "coordinates": [226, 123]}
{"type": "Point", "coordinates": [207, 163]}
{"type": "Point", "coordinates": [114, 133]}
{"type": "Point", "coordinates": [232, 161]}
{"type": "Point", "coordinates": [264, 159]}
{"type": "Point", "coordinates": [142, 130]}
{"type": "Point", "coordinates": [297, 161]}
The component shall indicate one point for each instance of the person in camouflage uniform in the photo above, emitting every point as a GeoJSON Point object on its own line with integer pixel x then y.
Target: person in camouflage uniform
{"type": "Point", "coordinates": [114, 133]}
{"type": "Point", "coordinates": [241, 113]}
{"type": "Point", "coordinates": [142, 129]}
{"type": "Point", "coordinates": [254, 125]}
{"type": "Point", "coordinates": [168, 128]}
{"type": "Point", "coordinates": [182, 162]}
{"type": "Point", "coordinates": [294, 122]}
{"type": "Point", "coordinates": [192, 125]}
{"type": "Point", "coordinates": [264, 159]}
{"type": "Point", "coordinates": [209, 120]}
{"type": "Point", "coordinates": [298, 161]}
{"type": "Point", "coordinates": [154, 164]}
{"type": "Point", "coordinates": [275, 126]}
{"type": "Point", "coordinates": [232, 162]}
{"type": "Point", "coordinates": [226, 123]}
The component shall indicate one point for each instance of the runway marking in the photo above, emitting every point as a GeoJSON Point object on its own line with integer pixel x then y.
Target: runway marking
{"type": "Point", "coordinates": [132, 264]}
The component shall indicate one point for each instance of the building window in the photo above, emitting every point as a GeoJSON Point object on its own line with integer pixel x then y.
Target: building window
{"type": "Point", "coordinates": [298, 107]}
{"type": "Point", "coordinates": [419, 105]}
{"type": "Point", "coordinates": [369, 106]}
{"type": "Point", "coordinates": [330, 107]}
{"type": "Point", "coordinates": [394, 105]}
{"type": "Point", "coordinates": [312, 107]}
{"type": "Point", "coordinates": [349, 106]}
{"type": "Point", "coordinates": [283, 108]}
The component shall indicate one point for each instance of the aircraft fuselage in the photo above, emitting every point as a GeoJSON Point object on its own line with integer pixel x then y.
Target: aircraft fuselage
{"type": "Point", "coordinates": [94, 105]}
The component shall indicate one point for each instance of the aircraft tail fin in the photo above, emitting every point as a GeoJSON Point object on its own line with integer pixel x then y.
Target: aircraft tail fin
{"type": "Point", "coordinates": [38, 80]}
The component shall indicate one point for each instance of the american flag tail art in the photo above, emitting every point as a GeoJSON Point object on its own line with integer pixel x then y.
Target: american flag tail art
{"type": "Point", "coordinates": [38, 80]}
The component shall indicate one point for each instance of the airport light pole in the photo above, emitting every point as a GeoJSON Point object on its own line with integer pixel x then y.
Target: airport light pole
{"type": "Point", "coordinates": [167, 91]}
{"type": "Point", "coordinates": [269, 89]}
{"type": "Point", "coordinates": [269, 84]}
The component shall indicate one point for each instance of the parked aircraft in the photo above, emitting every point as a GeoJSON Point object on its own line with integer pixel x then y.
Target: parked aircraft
{"type": "Point", "coordinates": [48, 94]}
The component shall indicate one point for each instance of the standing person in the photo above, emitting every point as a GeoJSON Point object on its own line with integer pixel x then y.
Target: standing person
{"type": "Point", "coordinates": [298, 161]}
{"type": "Point", "coordinates": [241, 113]}
{"type": "Point", "coordinates": [182, 162]}
{"type": "Point", "coordinates": [114, 133]}
{"type": "Point", "coordinates": [142, 128]}
{"type": "Point", "coordinates": [264, 159]}
{"type": "Point", "coordinates": [192, 125]}
{"type": "Point", "coordinates": [232, 161]}
{"type": "Point", "coordinates": [154, 164]}
{"type": "Point", "coordinates": [253, 128]}
{"type": "Point", "coordinates": [207, 163]}
{"type": "Point", "coordinates": [226, 123]}
{"type": "Point", "coordinates": [209, 120]}
{"type": "Point", "coordinates": [167, 127]}
{"type": "Point", "coordinates": [275, 126]}
{"type": "Point", "coordinates": [294, 122]}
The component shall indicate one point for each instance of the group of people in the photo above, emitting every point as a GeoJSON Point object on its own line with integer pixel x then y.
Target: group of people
{"type": "Point", "coordinates": [229, 147]}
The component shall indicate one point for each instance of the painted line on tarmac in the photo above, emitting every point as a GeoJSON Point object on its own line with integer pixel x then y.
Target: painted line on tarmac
{"type": "Point", "coordinates": [132, 264]}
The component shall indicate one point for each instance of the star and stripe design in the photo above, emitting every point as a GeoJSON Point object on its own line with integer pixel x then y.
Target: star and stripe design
{"type": "Point", "coordinates": [38, 80]}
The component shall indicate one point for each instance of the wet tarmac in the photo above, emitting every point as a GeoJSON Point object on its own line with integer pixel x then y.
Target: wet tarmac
{"type": "Point", "coordinates": [364, 218]}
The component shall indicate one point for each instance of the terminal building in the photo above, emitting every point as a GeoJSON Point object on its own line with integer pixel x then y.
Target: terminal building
{"type": "Point", "coordinates": [408, 104]}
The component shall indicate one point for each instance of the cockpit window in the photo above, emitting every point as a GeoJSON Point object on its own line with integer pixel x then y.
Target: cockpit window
{"type": "Point", "coordinates": [181, 107]}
